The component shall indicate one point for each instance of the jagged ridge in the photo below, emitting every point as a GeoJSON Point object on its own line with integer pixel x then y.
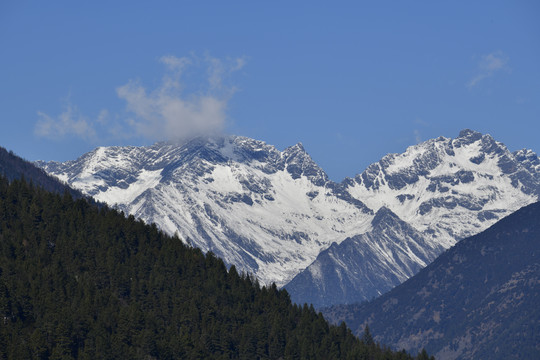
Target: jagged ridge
{"type": "Point", "coordinates": [272, 212]}
{"type": "Point", "coordinates": [269, 212]}
{"type": "Point", "coordinates": [364, 266]}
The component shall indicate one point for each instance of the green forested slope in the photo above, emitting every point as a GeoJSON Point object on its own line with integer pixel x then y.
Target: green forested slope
{"type": "Point", "coordinates": [81, 282]}
{"type": "Point", "coordinates": [14, 167]}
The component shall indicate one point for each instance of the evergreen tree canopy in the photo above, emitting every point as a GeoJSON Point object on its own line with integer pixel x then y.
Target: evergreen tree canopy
{"type": "Point", "coordinates": [78, 281]}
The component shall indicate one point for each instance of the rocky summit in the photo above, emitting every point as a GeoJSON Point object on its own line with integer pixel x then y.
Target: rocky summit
{"type": "Point", "coordinates": [271, 212]}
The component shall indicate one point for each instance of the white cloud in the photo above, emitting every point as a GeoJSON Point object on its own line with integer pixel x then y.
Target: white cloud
{"type": "Point", "coordinates": [69, 122]}
{"type": "Point", "coordinates": [175, 63]}
{"type": "Point", "coordinates": [102, 117]}
{"type": "Point", "coordinates": [162, 114]}
{"type": "Point", "coordinates": [218, 70]}
{"type": "Point", "coordinates": [191, 100]}
{"type": "Point", "coordinates": [487, 67]}
{"type": "Point", "coordinates": [168, 112]}
{"type": "Point", "coordinates": [417, 136]}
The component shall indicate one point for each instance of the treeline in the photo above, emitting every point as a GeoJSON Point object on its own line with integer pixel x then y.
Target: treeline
{"type": "Point", "coordinates": [78, 281]}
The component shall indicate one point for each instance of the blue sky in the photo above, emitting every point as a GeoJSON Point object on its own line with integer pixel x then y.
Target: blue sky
{"type": "Point", "coordinates": [351, 80]}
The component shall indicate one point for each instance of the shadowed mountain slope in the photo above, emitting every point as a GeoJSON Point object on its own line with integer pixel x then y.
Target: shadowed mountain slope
{"type": "Point", "coordinates": [364, 266]}
{"type": "Point", "coordinates": [14, 167]}
{"type": "Point", "coordinates": [478, 300]}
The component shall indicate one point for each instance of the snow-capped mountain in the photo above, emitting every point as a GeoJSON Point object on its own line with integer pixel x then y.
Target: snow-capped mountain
{"type": "Point", "coordinates": [451, 188]}
{"type": "Point", "coordinates": [272, 212]}
{"type": "Point", "coordinates": [268, 212]}
{"type": "Point", "coordinates": [444, 189]}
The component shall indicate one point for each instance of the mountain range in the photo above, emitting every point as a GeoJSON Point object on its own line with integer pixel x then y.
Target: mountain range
{"type": "Point", "coordinates": [276, 214]}
{"type": "Point", "coordinates": [444, 190]}
{"type": "Point", "coordinates": [478, 300]}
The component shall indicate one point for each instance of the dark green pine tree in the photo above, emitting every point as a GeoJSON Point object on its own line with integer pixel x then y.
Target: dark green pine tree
{"type": "Point", "coordinates": [366, 337]}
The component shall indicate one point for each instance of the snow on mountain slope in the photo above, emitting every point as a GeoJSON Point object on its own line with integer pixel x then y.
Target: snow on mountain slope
{"type": "Point", "coordinates": [272, 212]}
{"type": "Point", "coordinates": [268, 212]}
{"type": "Point", "coordinates": [447, 189]}
{"type": "Point", "coordinates": [451, 188]}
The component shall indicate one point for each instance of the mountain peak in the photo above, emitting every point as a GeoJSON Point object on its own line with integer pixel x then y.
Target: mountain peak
{"type": "Point", "coordinates": [298, 163]}
{"type": "Point", "coordinates": [486, 285]}
{"type": "Point", "coordinates": [384, 215]}
{"type": "Point", "coordinates": [466, 137]}
{"type": "Point", "coordinates": [468, 133]}
{"type": "Point", "coordinates": [295, 149]}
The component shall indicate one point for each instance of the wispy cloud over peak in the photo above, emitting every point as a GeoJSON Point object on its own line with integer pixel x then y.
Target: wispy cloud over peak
{"type": "Point", "coordinates": [220, 70]}
{"type": "Point", "coordinates": [191, 100]}
{"type": "Point", "coordinates": [170, 111]}
{"type": "Point", "coordinates": [494, 61]}
{"type": "Point", "coordinates": [488, 66]}
{"type": "Point", "coordinates": [163, 114]}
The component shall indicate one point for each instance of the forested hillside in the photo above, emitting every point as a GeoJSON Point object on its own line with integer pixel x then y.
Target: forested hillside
{"type": "Point", "coordinates": [77, 281]}
{"type": "Point", "coordinates": [14, 167]}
